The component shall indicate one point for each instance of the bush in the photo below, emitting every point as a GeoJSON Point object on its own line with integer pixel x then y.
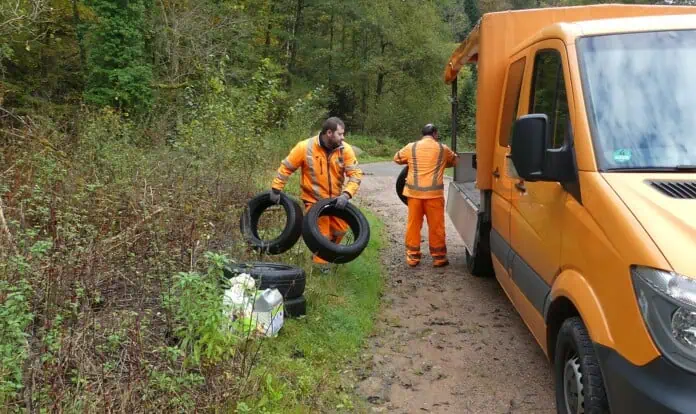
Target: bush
{"type": "Point", "coordinates": [105, 301]}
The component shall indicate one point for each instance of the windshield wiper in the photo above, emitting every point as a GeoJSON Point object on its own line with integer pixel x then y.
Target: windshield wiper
{"type": "Point", "coordinates": [676, 168]}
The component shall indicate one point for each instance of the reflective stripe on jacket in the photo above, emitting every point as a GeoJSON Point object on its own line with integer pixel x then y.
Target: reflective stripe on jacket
{"type": "Point", "coordinates": [323, 172]}
{"type": "Point", "coordinates": [427, 160]}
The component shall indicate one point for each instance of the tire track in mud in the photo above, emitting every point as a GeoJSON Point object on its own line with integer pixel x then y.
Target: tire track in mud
{"type": "Point", "coordinates": [444, 341]}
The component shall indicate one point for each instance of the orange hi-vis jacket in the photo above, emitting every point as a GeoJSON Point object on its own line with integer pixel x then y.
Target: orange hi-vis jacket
{"type": "Point", "coordinates": [427, 159]}
{"type": "Point", "coordinates": [323, 173]}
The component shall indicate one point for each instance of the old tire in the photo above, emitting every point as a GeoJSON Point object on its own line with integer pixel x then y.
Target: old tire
{"type": "Point", "coordinates": [295, 307]}
{"type": "Point", "coordinates": [323, 247]}
{"type": "Point", "coordinates": [289, 280]}
{"type": "Point", "coordinates": [249, 221]}
{"type": "Point", "coordinates": [579, 383]}
{"type": "Point", "coordinates": [401, 183]}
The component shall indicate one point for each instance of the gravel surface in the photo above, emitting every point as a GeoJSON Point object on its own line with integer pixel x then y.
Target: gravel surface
{"type": "Point", "coordinates": [444, 341]}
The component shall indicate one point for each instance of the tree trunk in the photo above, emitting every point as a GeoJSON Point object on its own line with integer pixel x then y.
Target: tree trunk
{"type": "Point", "coordinates": [331, 38]}
{"type": "Point", "coordinates": [382, 73]}
{"type": "Point", "coordinates": [269, 26]}
{"type": "Point", "coordinates": [343, 34]}
{"type": "Point", "coordinates": [365, 83]}
{"type": "Point", "coordinates": [78, 34]}
{"type": "Point", "coordinates": [296, 28]}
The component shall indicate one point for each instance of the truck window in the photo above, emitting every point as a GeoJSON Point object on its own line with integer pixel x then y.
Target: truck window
{"type": "Point", "coordinates": [548, 95]}
{"type": "Point", "coordinates": [512, 99]}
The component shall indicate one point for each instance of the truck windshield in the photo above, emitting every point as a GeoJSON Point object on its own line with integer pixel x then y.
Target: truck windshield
{"type": "Point", "coordinates": [640, 94]}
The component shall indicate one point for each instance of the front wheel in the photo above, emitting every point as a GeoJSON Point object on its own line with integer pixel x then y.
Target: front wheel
{"type": "Point", "coordinates": [579, 382]}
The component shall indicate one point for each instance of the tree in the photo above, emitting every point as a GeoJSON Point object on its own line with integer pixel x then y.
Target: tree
{"type": "Point", "coordinates": [471, 8]}
{"type": "Point", "coordinates": [117, 71]}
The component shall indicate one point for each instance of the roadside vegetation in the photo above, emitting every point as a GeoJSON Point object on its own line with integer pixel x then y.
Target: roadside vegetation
{"type": "Point", "coordinates": [308, 368]}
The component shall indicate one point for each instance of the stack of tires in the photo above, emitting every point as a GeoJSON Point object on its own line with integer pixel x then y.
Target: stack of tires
{"type": "Point", "coordinates": [289, 280]}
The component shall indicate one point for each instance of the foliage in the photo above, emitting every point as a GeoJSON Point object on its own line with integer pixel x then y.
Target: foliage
{"type": "Point", "coordinates": [117, 71]}
{"type": "Point", "coordinates": [194, 301]}
{"type": "Point", "coordinates": [466, 119]}
{"type": "Point", "coordinates": [15, 316]}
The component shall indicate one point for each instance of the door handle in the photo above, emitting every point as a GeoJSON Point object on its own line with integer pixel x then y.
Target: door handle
{"type": "Point", "coordinates": [520, 186]}
{"type": "Point", "coordinates": [496, 174]}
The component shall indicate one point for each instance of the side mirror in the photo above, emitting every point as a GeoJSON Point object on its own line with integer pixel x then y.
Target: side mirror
{"type": "Point", "coordinates": [528, 146]}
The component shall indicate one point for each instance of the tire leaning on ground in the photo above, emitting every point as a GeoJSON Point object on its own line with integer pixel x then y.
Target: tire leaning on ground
{"type": "Point", "coordinates": [323, 247]}
{"type": "Point", "coordinates": [401, 183]}
{"type": "Point", "coordinates": [289, 280]}
{"type": "Point", "coordinates": [295, 307]}
{"type": "Point", "coordinates": [249, 221]}
{"type": "Point", "coordinates": [579, 383]}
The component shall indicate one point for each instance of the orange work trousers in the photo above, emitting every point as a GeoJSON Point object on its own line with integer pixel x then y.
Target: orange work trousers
{"type": "Point", "coordinates": [332, 228]}
{"type": "Point", "coordinates": [434, 210]}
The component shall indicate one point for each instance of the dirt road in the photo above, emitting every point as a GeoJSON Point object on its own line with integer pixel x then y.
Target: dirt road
{"type": "Point", "coordinates": [445, 341]}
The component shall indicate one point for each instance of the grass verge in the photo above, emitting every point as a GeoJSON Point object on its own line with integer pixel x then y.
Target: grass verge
{"type": "Point", "coordinates": [307, 367]}
{"type": "Point", "coordinates": [374, 149]}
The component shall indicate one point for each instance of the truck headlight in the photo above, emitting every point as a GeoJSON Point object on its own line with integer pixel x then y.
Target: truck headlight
{"type": "Point", "coordinates": [667, 302]}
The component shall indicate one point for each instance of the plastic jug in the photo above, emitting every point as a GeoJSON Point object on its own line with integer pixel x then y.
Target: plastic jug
{"type": "Point", "coordinates": [267, 300]}
{"type": "Point", "coordinates": [268, 312]}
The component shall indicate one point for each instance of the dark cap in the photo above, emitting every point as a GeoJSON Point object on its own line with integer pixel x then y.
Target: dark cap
{"type": "Point", "coordinates": [429, 129]}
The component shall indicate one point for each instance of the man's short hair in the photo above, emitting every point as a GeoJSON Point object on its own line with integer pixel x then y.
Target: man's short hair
{"type": "Point", "coordinates": [429, 129]}
{"type": "Point", "coordinates": [332, 124]}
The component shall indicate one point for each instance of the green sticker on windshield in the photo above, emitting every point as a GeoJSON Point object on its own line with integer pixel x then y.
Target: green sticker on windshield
{"type": "Point", "coordinates": [622, 155]}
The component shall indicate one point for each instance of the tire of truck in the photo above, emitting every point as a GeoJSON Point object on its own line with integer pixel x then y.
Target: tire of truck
{"type": "Point", "coordinates": [323, 247]}
{"type": "Point", "coordinates": [579, 382]}
{"type": "Point", "coordinates": [480, 264]}
{"type": "Point", "coordinates": [400, 184]}
{"type": "Point", "coordinates": [289, 280]}
{"type": "Point", "coordinates": [295, 307]}
{"type": "Point", "coordinates": [249, 221]}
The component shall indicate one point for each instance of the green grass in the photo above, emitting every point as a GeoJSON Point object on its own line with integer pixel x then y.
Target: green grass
{"type": "Point", "coordinates": [307, 368]}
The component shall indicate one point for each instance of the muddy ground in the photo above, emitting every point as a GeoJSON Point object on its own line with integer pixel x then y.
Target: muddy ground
{"type": "Point", "coordinates": [445, 341]}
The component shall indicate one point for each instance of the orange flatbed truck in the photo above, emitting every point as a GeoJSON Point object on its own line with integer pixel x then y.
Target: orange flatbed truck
{"type": "Point", "coordinates": [580, 197]}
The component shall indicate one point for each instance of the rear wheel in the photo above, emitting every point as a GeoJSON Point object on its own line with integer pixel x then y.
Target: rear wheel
{"type": "Point", "coordinates": [478, 266]}
{"type": "Point", "coordinates": [579, 382]}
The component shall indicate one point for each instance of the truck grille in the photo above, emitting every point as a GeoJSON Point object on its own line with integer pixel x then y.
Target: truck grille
{"type": "Point", "coordinates": [676, 189]}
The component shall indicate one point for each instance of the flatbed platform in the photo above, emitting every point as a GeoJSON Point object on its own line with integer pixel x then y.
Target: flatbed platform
{"type": "Point", "coordinates": [470, 191]}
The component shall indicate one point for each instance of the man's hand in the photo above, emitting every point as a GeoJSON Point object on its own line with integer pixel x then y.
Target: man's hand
{"type": "Point", "coordinates": [342, 201]}
{"type": "Point", "coordinates": [275, 196]}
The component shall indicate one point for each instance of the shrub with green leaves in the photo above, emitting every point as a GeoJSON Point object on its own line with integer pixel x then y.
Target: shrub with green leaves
{"type": "Point", "coordinates": [15, 317]}
{"type": "Point", "coordinates": [118, 73]}
{"type": "Point", "coordinates": [195, 303]}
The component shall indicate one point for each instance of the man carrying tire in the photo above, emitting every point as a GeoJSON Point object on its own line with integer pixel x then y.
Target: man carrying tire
{"type": "Point", "coordinates": [325, 160]}
{"type": "Point", "coordinates": [427, 159]}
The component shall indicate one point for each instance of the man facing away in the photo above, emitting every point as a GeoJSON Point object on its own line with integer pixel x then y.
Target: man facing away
{"type": "Point", "coordinates": [325, 160]}
{"type": "Point", "coordinates": [427, 159]}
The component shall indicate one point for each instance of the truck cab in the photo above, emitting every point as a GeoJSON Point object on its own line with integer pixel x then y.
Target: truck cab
{"type": "Point", "coordinates": [580, 197]}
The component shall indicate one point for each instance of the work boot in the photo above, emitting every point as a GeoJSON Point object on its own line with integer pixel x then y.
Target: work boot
{"type": "Point", "coordinates": [413, 258]}
{"type": "Point", "coordinates": [441, 263]}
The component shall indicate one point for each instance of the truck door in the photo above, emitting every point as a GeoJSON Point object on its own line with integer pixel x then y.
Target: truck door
{"type": "Point", "coordinates": [503, 172]}
{"type": "Point", "coordinates": [536, 219]}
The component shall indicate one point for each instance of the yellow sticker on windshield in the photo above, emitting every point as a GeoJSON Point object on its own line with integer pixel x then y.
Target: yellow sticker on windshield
{"type": "Point", "coordinates": [622, 155]}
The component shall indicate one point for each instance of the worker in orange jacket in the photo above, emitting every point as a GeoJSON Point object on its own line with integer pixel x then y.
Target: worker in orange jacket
{"type": "Point", "coordinates": [325, 160]}
{"type": "Point", "coordinates": [427, 159]}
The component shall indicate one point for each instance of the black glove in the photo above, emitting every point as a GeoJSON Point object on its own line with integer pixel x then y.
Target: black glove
{"type": "Point", "coordinates": [275, 196]}
{"type": "Point", "coordinates": [342, 201]}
